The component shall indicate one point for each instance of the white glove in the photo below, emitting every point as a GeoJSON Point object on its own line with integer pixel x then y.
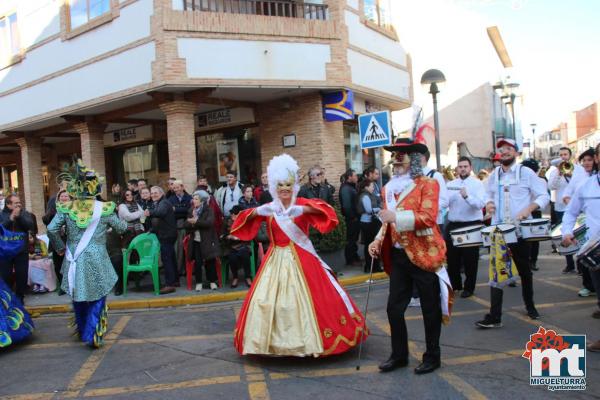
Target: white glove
{"type": "Point", "coordinates": [294, 211]}
{"type": "Point", "coordinates": [266, 210]}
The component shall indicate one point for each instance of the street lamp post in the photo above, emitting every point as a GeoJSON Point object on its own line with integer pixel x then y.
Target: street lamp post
{"type": "Point", "coordinates": [432, 77]}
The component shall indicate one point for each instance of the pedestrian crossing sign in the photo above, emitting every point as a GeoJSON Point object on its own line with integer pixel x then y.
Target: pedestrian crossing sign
{"type": "Point", "coordinates": [375, 129]}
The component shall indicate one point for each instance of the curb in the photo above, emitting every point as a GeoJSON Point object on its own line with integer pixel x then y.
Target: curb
{"type": "Point", "coordinates": [161, 302]}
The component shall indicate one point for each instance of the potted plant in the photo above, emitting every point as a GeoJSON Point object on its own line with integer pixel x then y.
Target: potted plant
{"type": "Point", "coordinates": [331, 245]}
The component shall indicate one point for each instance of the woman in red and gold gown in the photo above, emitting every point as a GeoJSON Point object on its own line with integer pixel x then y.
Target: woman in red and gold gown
{"type": "Point", "coordinates": [295, 306]}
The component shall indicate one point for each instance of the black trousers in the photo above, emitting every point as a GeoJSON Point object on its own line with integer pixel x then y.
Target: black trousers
{"type": "Point", "coordinates": [468, 257]}
{"type": "Point", "coordinates": [239, 259]}
{"type": "Point", "coordinates": [369, 231]}
{"type": "Point", "coordinates": [570, 260]}
{"type": "Point", "coordinates": [586, 278]}
{"type": "Point", "coordinates": [404, 273]}
{"type": "Point", "coordinates": [57, 260]}
{"type": "Point", "coordinates": [210, 266]}
{"type": "Point", "coordinates": [352, 233]}
{"type": "Point", "coordinates": [20, 264]}
{"type": "Point", "coordinates": [117, 263]}
{"type": "Point", "coordinates": [520, 255]}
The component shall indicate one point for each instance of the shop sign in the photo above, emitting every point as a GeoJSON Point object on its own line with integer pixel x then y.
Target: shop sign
{"type": "Point", "coordinates": [338, 106]}
{"type": "Point", "coordinates": [128, 135]}
{"type": "Point", "coordinates": [224, 118]}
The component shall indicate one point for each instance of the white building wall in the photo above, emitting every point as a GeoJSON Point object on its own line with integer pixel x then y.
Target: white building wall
{"type": "Point", "coordinates": [370, 40]}
{"type": "Point", "coordinates": [132, 24]}
{"type": "Point", "coordinates": [120, 72]}
{"type": "Point", "coordinates": [377, 75]}
{"type": "Point", "coordinates": [244, 59]}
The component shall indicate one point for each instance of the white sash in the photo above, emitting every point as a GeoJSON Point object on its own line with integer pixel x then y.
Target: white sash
{"type": "Point", "coordinates": [298, 237]}
{"type": "Point", "coordinates": [85, 240]}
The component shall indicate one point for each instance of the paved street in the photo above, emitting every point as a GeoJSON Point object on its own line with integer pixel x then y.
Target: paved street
{"type": "Point", "coordinates": [187, 353]}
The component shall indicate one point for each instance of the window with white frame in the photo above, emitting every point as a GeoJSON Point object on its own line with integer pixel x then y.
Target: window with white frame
{"type": "Point", "coordinates": [9, 37]}
{"type": "Point", "coordinates": [83, 11]}
{"type": "Point", "coordinates": [379, 12]}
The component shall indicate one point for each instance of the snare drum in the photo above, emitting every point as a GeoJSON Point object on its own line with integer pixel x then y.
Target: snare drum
{"type": "Point", "coordinates": [508, 231]}
{"type": "Point", "coordinates": [578, 233]}
{"type": "Point", "coordinates": [534, 230]}
{"type": "Point", "coordinates": [589, 255]}
{"type": "Point", "coordinates": [468, 236]}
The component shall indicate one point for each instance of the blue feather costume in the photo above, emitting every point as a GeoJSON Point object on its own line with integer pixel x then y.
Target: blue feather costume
{"type": "Point", "coordinates": [15, 322]}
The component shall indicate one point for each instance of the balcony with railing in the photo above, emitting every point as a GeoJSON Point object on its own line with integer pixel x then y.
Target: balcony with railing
{"type": "Point", "coordinates": [274, 8]}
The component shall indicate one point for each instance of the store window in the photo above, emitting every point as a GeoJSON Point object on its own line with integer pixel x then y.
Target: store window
{"type": "Point", "coordinates": [234, 151]}
{"type": "Point", "coordinates": [140, 162]}
{"type": "Point", "coordinates": [9, 37]}
{"type": "Point", "coordinates": [356, 158]}
{"type": "Point", "coordinates": [83, 11]}
{"type": "Point", "coordinates": [379, 12]}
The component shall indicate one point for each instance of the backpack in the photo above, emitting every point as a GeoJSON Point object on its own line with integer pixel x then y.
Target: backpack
{"type": "Point", "coordinates": [11, 243]}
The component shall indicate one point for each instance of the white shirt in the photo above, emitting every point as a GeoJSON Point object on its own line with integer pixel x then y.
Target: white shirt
{"type": "Point", "coordinates": [579, 177]}
{"type": "Point", "coordinates": [232, 198]}
{"type": "Point", "coordinates": [443, 200]}
{"type": "Point", "coordinates": [469, 209]}
{"type": "Point", "coordinates": [558, 184]}
{"type": "Point", "coordinates": [587, 200]}
{"type": "Point", "coordinates": [523, 187]}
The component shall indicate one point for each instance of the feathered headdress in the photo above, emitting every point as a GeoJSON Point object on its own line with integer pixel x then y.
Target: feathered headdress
{"type": "Point", "coordinates": [82, 183]}
{"type": "Point", "coordinates": [283, 168]}
{"type": "Point", "coordinates": [419, 127]}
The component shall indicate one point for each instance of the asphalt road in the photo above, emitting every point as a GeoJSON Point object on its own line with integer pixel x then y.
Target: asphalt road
{"type": "Point", "coordinates": [187, 353]}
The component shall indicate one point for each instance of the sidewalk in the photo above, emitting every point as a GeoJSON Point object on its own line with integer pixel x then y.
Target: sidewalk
{"type": "Point", "coordinates": [144, 297]}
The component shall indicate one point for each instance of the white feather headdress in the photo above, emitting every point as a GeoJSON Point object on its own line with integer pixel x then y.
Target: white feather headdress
{"type": "Point", "coordinates": [283, 168]}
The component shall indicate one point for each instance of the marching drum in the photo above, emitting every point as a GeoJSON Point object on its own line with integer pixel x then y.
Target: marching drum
{"type": "Point", "coordinates": [468, 236]}
{"type": "Point", "coordinates": [589, 255]}
{"type": "Point", "coordinates": [508, 231]}
{"type": "Point", "coordinates": [534, 230]}
{"type": "Point", "coordinates": [578, 233]}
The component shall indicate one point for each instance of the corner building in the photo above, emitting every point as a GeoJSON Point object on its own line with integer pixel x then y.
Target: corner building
{"type": "Point", "coordinates": [159, 88]}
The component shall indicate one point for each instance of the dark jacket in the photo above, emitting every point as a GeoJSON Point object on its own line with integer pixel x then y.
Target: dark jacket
{"type": "Point", "coordinates": [321, 191]}
{"type": "Point", "coordinates": [348, 199]}
{"type": "Point", "coordinates": [163, 221]}
{"type": "Point", "coordinates": [23, 223]}
{"type": "Point", "coordinates": [209, 242]}
{"type": "Point", "coordinates": [182, 206]}
{"type": "Point", "coordinates": [244, 205]}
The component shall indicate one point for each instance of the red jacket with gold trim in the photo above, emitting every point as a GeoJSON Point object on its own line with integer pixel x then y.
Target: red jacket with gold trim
{"type": "Point", "coordinates": [416, 229]}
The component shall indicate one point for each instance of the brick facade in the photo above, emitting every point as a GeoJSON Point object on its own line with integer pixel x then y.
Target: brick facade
{"type": "Point", "coordinates": [92, 147]}
{"type": "Point", "coordinates": [32, 189]}
{"type": "Point", "coordinates": [317, 141]}
{"type": "Point", "coordinates": [181, 139]}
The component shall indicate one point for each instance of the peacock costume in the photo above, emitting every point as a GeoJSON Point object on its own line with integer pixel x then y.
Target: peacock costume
{"type": "Point", "coordinates": [15, 322]}
{"type": "Point", "coordinates": [88, 275]}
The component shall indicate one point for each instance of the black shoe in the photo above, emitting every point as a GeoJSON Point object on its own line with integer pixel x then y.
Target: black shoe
{"type": "Point", "coordinates": [61, 292]}
{"type": "Point", "coordinates": [513, 284]}
{"type": "Point", "coordinates": [426, 367]}
{"type": "Point", "coordinates": [488, 323]}
{"type": "Point", "coordinates": [118, 292]}
{"type": "Point", "coordinates": [568, 270]}
{"type": "Point", "coordinates": [533, 313]}
{"type": "Point", "coordinates": [534, 267]}
{"type": "Point", "coordinates": [391, 364]}
{"type": "Point", "coordinates": [466, 293]}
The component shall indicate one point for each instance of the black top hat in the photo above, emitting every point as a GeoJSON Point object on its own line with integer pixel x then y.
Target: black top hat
{"type": "Point", "coordinates": [406, 145]}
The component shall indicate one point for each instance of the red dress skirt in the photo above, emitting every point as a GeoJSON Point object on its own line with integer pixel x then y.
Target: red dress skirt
{"type": "Point", "coordinates": [293, 308]}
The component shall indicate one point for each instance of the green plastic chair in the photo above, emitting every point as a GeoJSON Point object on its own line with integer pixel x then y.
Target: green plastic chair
{"type": "Point", "coordinates": [225, 265]}
{"type": "Point", "coordinates": [148, 248]}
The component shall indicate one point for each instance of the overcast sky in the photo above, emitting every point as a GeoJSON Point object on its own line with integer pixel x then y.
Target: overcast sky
{"type": "Point", "coordinates": [554, 46]}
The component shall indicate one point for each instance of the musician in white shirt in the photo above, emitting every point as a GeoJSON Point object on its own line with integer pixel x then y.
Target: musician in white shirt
{"type": "Point", "coordinates": [585, 184]}
{"type": "Point", "coordinates": [586, 199]}
{"type": "Point", "coordinates": [510, 191]}
{"type": "Point", "coordinates": [466, 199]}
{"type": "Point", "coordinates": [558, 183]}
{"type": "Point", "coordinates": [443, 201]}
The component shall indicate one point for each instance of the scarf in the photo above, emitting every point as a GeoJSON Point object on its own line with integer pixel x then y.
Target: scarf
{"type": "Point", "coordinates": [502, 268]}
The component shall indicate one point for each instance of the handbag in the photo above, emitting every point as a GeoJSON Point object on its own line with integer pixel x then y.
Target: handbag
{"type": "Point", "coordinates": [11, 243]}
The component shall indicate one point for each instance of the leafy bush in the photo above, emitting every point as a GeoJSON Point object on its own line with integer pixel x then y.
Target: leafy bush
{"type": "Point", "coordinates": [332, 241]}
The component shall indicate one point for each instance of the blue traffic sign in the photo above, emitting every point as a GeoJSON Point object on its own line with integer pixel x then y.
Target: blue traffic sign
{"type": "Point", "coordinates": [375, 129]}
